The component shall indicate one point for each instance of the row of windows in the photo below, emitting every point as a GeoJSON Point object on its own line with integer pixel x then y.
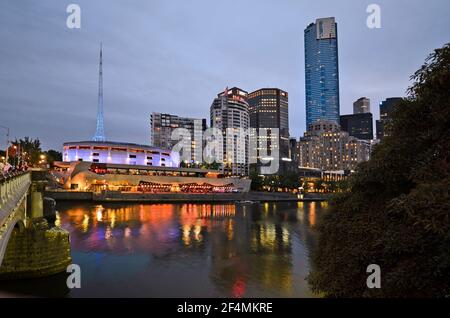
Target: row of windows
{"type": "Point", "coordinates": [118, 149]}
{"type": "Point", "coordinates": [148, 163]}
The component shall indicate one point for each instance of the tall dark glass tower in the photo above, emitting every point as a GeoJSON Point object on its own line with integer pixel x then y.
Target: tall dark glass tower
{"type": "Point", "coordinates": [100, 131]}
{"type": "Point", "coordinates": [269, 109]}
{"type": "Point", "coordinates": [386, 109]}
{"type": "Point", "coordinates": [321, 71]}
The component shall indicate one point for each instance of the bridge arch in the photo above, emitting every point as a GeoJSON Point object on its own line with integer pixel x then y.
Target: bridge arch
{"type": "Point", "coordinates": [6, 236]}
{"type": "Point", "coordinates": [20, 225]}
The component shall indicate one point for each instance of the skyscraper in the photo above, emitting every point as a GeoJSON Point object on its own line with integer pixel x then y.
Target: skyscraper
{"type": "Point", "coordinates": [162, 126]}
{"type": "Point", "coordinates": [269, 109]}
{"type": "Point", "coordinates": [361, 106]}
{"type": "Point", "coordinates": [321, 71]}
{"type": "Point", "coordinates": [386, 108]}
{"type": "Point", "coordinates": [230, 110]}
{"type": "Point", "coordinates": [100, 131]}
{"type": "Point", "coordinates": [358, 125]}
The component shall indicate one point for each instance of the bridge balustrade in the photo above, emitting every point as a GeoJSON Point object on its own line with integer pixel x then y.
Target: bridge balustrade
{"type": "Point", "coordinates": [13, 188]}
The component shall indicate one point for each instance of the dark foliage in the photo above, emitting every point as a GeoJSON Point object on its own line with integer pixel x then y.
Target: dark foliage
{"type": "Point", "coordinates": [396, 212]}
{"type": "Point", "coordinates": [52, 156]}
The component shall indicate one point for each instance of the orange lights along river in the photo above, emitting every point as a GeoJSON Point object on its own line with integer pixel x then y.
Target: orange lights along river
{"type": "Point", "coordinates": [184, 250]}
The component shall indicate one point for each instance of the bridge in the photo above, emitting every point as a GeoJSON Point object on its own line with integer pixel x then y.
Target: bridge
{"type": "Point", "coordinates": [29, 246]}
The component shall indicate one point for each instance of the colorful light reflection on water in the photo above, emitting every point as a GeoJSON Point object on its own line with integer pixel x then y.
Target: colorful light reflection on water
{"type": "Point", "coordinates": [185, 250]}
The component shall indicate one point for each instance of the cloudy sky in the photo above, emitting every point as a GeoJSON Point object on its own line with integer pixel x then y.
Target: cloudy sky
{"type": "Point", "coordinates": [175, 56]}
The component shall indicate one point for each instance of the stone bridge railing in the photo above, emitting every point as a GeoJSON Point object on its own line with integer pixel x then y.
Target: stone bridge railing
{"type": "Point", "coordinates": [13, 190]}
{"type": "Point", "coordinates": [13, 194]}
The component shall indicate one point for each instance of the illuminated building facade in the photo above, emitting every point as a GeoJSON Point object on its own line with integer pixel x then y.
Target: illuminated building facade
{"type": "Point", "coordinates": [96, 177]}
{"type": "Point", "coordinates": [231, 110]}
{"type": "Point", "coordinates": [162, 126]}
{"type": "Point", "coordinates": [324, 146]}
{"type": "Point", "coordinates": [119, 153]}
{"type": "Point", "coordinates": [268, 108]}
{"type": "Point", "coordinates": [321, 71]}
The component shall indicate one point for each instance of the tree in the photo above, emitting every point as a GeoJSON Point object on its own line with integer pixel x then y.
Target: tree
{"type": "Point", "coordinates": [183, 164]}
{"type": "Point", "coordinates": [210, 166]}
{"type": "Point", "coordinates": [28, 149]}
{"type": "Point", "coordinates": [290, 181]}
{"type": "Point", "coordinates": [396, 211]}
{"type": "Point", "coordinates": [332, 186]}
{"type": "Point", "coordinates": [257, 180]}
{"type": "Point", "coordinates": [271, 182]}
{"type": "Point", "coordinates": [52, 156]}
{"type": "Point", "coordinates": [319, 185]}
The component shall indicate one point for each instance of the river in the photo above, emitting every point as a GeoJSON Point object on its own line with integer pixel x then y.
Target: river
{"type": "Point", "coordinates": [184, 250]}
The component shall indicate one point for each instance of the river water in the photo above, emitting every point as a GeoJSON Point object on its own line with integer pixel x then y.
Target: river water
{"type": "Point", "coordinates": [184, 250]}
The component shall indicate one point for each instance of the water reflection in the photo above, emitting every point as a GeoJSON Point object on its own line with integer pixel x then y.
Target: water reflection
{"type": "Point", "coordinates": [181, 250]}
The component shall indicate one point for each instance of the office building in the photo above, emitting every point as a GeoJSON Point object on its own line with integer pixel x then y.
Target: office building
{"type": "Point", "coordinates": [361, 106]}
{"type": "Point", "coordinates": [358, 125]}
{"type": "Point", "coordinates": [386, 109]}
{"type": "Point", "coordinates": [321, 71]}
{"type": "Point", "coordinates": [268, 109]}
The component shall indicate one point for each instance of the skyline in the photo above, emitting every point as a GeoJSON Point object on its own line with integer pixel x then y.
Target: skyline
{"type": "Point", "coordinates": [58, 67]}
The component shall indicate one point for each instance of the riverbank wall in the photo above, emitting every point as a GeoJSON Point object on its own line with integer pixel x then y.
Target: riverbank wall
{"type": "Point", "coordinates": [116, 196]}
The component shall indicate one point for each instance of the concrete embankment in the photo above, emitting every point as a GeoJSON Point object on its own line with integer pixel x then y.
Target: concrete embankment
{"type": "Point", "coordinates": [115, 196]}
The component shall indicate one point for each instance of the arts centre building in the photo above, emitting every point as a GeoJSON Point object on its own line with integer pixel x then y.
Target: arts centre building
{"type": "Point", "coordinates": [101, 165]}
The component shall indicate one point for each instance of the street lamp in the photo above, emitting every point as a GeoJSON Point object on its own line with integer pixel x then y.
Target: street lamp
{"type": "Point", "coordinates": [7, 140]}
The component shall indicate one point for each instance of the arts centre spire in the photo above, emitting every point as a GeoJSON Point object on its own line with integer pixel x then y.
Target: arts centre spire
{"type": "Point", "coordinates": [100, 131]}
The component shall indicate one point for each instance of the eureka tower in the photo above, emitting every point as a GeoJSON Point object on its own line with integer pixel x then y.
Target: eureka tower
{"type": "Point", "coordinates": [321, 71]}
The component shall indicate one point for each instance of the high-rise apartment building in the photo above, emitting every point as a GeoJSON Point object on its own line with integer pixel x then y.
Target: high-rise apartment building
{"type": "Point", "coordinates": [162, 126]}
{"type": "Point", "coordinates": [321, 71]}
{"type": "Point", "coordinates": [229, 113]}
{"type": "Point", "coordinates": [269, 110]}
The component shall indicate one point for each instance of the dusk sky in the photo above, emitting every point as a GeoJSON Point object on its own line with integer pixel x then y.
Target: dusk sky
{"type": "Point", "coordinates": [175, 57]}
